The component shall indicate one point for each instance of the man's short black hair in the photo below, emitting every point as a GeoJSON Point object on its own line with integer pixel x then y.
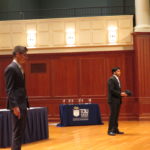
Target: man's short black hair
{"type": "Point", "coordinates": [115, 69]}
{"type": "Point", "coordinates": [19, 49]}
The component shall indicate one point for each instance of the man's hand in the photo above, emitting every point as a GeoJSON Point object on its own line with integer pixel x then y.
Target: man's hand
{"type": "Point", "coordinates": [123, 94]}
{"type": "Point", "coordinates": [16, 111]}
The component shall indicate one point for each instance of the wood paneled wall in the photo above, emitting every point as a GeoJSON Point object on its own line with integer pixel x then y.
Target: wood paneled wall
{"type": "Point", "coordinates": [51, 78]}
{"type": "Point", "coordinates": [52, 33]}
{"type": "Point", "coordinates": [142, 57]}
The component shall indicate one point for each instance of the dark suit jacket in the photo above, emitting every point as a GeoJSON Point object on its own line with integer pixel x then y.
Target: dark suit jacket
{"type": "Point", "coordinates": [114, 91]}
{"type": "Point", "coordinates": [15, 87]}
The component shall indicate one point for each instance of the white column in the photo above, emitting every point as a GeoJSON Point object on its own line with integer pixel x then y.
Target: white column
{"type": "Point", "coordinates": [142, 8]}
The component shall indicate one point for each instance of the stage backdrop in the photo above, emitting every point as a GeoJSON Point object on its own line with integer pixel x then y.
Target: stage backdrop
{"type": "Point", "coordinates": [53, 78]}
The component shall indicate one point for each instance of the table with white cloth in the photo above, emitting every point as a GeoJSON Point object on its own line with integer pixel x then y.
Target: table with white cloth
{"type": "Point", "coordinates": [36, 128]}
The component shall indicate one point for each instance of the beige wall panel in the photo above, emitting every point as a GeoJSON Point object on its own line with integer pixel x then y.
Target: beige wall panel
{"type": "Point", "coordinates": [50, 35]}
{"type": "Point", "coordinates": [42, 26]}
{"type": "Point", "coordinates": [70, 25]}
{"type": "Point", "coordinates": [17, 27]}
{"type": "Point", "coordinates": [84, 25]}
{"type": "Point", "coordinates": [43, 39]}
{"type": "Point", "coordinates": [5, 41]}
{"type": "Point", "coordinates": [84, 37]}
{"type": "Point", "coordinates": [58, 38]}
{"type": "Point", "coordinates": [124, 36]}
{"type": "Point", "coordinates": [99, 24]}
{"type": "Point", "coordinates": [111, 23]}
{"type": "Point", "coordinates": [52, 32]}
{"type": "Point", "coordinates": [58, 26]}
{"type": "Point", "coordinates": [99, 37]}
{"type": "Point", "coordinates": [31, 26]}
{"type": "Point", "coordinates": [5, 28]}
{"type": "Point", "coordinates": [125, 23]}
{"type": "Point", "coordinates": [77, 34]}
{"type": "Point", "coordinates": [18, 39]}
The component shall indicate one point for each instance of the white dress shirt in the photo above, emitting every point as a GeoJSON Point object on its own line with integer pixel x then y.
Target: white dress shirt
{"type": "Point", "coordinates": [20, 67]}
{"type": "Point", "coordinates": [117, 80]}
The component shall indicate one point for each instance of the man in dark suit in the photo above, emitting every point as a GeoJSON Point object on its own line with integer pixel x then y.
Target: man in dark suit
{"type": "Point", "coordinates": [17, 97]}
{"type": "Point", "coordinates": [114, 100]}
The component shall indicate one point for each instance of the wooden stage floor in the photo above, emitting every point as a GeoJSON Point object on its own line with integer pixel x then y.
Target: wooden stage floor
{"type": "Point", "coordinates": [94, 137]}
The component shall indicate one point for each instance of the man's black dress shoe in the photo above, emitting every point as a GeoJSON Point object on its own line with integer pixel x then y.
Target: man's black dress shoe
{"type": "Point", "coordinates": [111, 133]}
{"type": "Point", "coordinates": [119, 132]}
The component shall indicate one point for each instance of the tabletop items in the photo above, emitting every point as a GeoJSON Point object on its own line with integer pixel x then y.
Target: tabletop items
{"type": "Point", "coordinates": [77, 101]}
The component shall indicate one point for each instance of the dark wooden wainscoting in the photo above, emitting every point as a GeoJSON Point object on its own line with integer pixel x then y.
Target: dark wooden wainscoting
{"type": "Point", "coordinates": [53, 78]}
{"type": "Point", "coordinates": [142, 74]}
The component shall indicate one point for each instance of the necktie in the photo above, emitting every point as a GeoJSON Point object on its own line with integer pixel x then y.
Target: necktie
{"type": "Point", "coordinates": [119, 82]}
{"type": "Point", "coordinates": [21, 70]}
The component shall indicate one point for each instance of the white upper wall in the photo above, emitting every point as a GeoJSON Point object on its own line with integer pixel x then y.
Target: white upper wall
{"type": "Point", "coordinates": [51, 33]}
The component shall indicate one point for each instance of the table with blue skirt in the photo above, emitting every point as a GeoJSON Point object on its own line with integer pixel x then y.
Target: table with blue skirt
{"type": "Point", "coordinates": [36, 128]}
{"type": "Point", "coordinates": [79, 114]}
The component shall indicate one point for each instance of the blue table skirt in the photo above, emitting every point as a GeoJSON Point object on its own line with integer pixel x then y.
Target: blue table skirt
{"type": "Point", "coordinates": [36, 128]}
{"type": "Point", "coordinates": [79, 114]}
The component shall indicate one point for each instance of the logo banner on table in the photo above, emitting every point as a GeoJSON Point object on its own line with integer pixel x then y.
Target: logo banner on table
{"type": "Point", "coordinates": [80, 114]}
